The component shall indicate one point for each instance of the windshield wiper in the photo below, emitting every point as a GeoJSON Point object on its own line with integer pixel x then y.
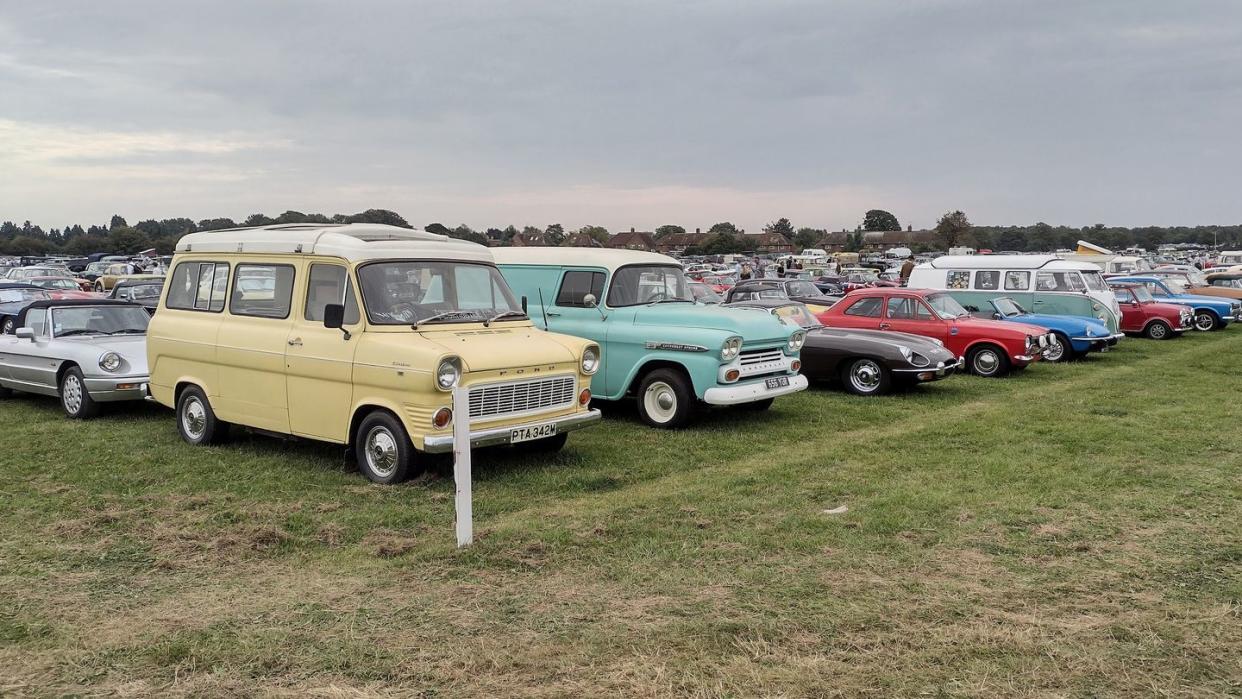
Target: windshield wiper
{"type": "Point", "coordinates": [441, 316]}
{"type": "Point", "coordinates": [127, 331]}
{"type": "Point", "coordinates": [81, 331]}
{"type": "Point", "coordinates": [503, 314]}
{"type": "Point", "coordinates": [672, 300]}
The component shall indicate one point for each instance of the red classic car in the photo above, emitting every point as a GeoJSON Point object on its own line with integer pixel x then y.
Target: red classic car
{"type": "Point", "coordinates": [990, 347]}
{"type": "Point", "coordinates": [719, 283]}
{"type": "Point", "coordinates": [1141, 314]}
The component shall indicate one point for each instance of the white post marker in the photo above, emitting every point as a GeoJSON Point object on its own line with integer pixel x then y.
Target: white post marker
{"type": "Point", "coordinates": [461, 467]}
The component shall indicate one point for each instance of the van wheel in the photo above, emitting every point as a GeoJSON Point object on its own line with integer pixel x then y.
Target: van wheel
{"type": "Point", "coordinates": [1158, 330]}
{"type": "Point", "coordinates": [383, 449]}
{"type": "Point", "coordinates": [74, 398]}
{"type": "Point", "coordinates": [665, 399]}
{"type": "Point", "coordinates": [866, 377]}
{"type": "Point", "coordinates": [988, 361]}
{"type": "Point", "coordinates": [1206, 320]}
{"type": "Point", "coordinates": [1060, 350]}
{"type": "Point", "coordinates": [196, 421]}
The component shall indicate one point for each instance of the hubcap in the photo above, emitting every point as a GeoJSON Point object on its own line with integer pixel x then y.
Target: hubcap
{"type": "Point", "coordinates": [194, 418]}
{"type": "Point", "coordinates": [865, 376]}
{"type": "Point", "coordinates": [660, 401]}
{"type": "Point", "coordinates": [71, 394]}
{"type": "Point", "coordinates": [381, 451]}
{"type": "Point", "coordinates": [1203, 321]}
{"type": "Point", "coordinates": [8, 326]}
{"type": "Point", "coordinates": [1157, 330]}
{"type": "Point", "coordinates": [1055, 351]}
{"type": "Point", "coordinates": [986, 362]}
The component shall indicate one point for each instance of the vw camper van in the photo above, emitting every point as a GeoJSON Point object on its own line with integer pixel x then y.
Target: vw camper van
{"type": "Point", "coordinates": [1044, 284]}
{"type": "Point", "coordinates": [357, 334]}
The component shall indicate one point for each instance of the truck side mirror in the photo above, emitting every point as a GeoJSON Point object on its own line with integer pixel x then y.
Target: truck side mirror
{"type": "Point", "coordinates": [590, 301]}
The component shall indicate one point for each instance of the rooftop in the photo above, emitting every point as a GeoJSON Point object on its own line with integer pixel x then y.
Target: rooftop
{"type": "Point", "coordinates": [350, 241]}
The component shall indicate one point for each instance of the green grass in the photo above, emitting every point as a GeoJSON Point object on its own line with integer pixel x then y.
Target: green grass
{"type": "Point", "coordinates": [1070, 531]}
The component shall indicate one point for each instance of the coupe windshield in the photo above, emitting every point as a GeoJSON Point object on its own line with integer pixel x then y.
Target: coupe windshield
{"type": "Point", "coordinates": [946, 306]}
{"type": "Point", "coordinates": [801, 288]}
{"type": "Point", "coordinates": [639, 284]}
{"type": "Point", "coordinates": [99, 320]}
{"type": "Point", "coordinates": [22, 295]}
{"type": "Point", "coordinates": [410, 293]}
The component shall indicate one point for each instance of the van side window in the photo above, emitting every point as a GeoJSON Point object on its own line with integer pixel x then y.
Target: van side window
{"type": "Point", "coordinates": [576, 285]}
{"type": "Point", "coordinates": [958, 280]}
{"type": "Point", "coordinates": [1059, 281]}
{"type": "Point", "coordinates": [868, 308]}
{"type": "Point", "coordinates": [265, 291]}
{"type": "Point", "coordinates": [198, 286]}
{"type": "Point", "coordinates": [330, 284]}
{"type": "Point", "coordinates": [987, 280]}
{"type": "Point", "coordinates": [1017, 281]}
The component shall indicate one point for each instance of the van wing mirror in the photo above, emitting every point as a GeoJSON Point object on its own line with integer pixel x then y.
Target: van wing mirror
{"type": "Point", "coordinates": [334, 315]}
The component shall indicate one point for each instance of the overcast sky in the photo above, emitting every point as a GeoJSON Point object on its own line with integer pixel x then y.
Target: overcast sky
{"type": "Point", "coordinates": [1126, 112]}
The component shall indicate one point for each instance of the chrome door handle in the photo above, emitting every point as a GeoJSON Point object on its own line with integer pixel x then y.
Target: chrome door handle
{"type": "Point", "coordinates": [885, 326]}
{"type": "Point", "coordinates": [295, 342]}
{"type": "Point", "coordinates": [553, 314]}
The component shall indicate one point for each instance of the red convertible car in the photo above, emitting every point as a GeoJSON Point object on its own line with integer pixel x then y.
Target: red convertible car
{"type": "Point", "coordinates": [990, 347]}
{"type": "Point", "coordinates": [1142, 314]}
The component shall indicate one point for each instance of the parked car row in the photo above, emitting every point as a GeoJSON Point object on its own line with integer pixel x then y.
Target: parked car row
{"type": "Point", "coordinates": [359, 334]}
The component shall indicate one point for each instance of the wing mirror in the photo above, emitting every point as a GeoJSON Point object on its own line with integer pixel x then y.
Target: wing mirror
{"type": "Point", "coordinates": [334, 317]}
{"type": "Point", "coordinates": [590, 301]}
{"type": "Point", "coordinates": [25, 334]}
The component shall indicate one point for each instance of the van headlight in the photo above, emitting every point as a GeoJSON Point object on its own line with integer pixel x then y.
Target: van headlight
{"type": "Point", "coordinates": [731, 348]}
{"type": "Point", "coordinates": [110, 361]}
{"type": "Point", "coordinates": [448, 373]}
{"type": "Point", "coordinates": [590, 359]}
{"type": "Point", "coordinates": [796, 341]}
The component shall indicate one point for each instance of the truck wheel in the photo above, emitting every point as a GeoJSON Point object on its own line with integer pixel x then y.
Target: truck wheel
{"type": "Point", "coordinates": [1060, 350]}
{"type": "Point", "coordinates": [196, 421]}
{"type": "Point", "coordinates": [1206, 320]}
{"type": "Point", "coordinates": [866, 377]}
{"type": "Point", "coordinates": [383, 449]}
{"type": "Point", "coordinates": [988, 361]}
{"type": "Point", "coordinates": [74, 398]}
{"type": "Point", "coordinates": [665, 399]}
{"type": "Point", "coordinates": [1158, 330]}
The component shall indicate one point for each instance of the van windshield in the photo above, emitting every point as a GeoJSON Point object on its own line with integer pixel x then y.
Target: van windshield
{"type": "Point", "coordinates": [426, 291]}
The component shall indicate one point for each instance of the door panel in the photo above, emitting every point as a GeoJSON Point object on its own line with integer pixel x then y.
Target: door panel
{"type": "Point", "coordinates": [251, 355]}
{"type": "Point", "coordinates": [320, 369]}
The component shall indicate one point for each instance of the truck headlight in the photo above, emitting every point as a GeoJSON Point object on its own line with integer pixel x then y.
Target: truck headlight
{"type": "Point", "coordinates": [731, 348]}
{"type": "Point", "coordinates": [110, 361]}
{"type": "Point", "coordinates": [590, 359]}
{"type": "Point", "coordinates": [796, 341]}
{"type": "Point", "coordinates": [448, 373]}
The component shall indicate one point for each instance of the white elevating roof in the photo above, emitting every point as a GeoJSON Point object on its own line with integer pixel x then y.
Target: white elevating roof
{"type": "Point", "coordinates": [349, 241]}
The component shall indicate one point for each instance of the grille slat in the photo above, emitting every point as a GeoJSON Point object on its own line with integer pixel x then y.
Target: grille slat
{"type": "Point", "coordinates": [498, 400]}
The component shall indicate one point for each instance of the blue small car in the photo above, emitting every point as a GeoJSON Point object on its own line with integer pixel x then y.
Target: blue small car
{"type": "Point", "coordinates": [1076, 335]}
{"type": "Point", "coordinates": [1211, 313]}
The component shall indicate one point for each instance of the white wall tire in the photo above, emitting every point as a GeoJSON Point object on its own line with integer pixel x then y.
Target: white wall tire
{"type": "Point", "coordinates": [665, 399]}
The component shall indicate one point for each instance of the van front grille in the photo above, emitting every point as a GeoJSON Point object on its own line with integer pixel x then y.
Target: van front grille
{"type": "Point", "coordinates": [501, 399]}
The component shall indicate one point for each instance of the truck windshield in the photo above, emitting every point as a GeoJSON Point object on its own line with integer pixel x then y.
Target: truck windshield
{"type": "Point", "coordinates": [409, 293]}
{"type": "Point", "coordinates": [639, 284]}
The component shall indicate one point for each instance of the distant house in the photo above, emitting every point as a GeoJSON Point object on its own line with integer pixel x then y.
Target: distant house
{"type": "Point", "coordinates": [676, 243]}
{"type": "Point", "coordinates": [879, 241]}
{"type": "Point", "coordinates": [521, 240]}
{"type": "Point", "coordinates": [633, 240]}
{"type": "Point", "coordinates": [582, 240]}
{"type": "Point", "coordinates": [772, 244]}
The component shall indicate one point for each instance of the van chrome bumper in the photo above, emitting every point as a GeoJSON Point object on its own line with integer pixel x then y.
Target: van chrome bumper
{"type": "Point", "coordinates": [443, 443]}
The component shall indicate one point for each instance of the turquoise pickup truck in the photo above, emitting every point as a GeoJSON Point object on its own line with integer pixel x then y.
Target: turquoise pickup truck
{"type": "Point", "coordinates": [658, 345]}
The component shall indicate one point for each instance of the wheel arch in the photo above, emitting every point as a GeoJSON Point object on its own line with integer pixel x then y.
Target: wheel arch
{"type": "Point", "coordinates": [650, 365]}
{"type": "Point", "coordinates": [362, 410]}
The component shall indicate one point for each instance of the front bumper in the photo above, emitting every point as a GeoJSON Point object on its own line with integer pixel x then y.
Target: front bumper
{"type": "Point", "coordinates": [752, 391]}
{"type": "Point", "coordinates": [117, 388]}
{"type": "Point", "coordinates": [942, 370]}
{"type": "Point", "coordinates": [443, 443]}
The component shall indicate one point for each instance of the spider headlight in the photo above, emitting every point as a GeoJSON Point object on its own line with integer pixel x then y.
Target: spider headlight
{"type": "Point", "coordinates": [110, 361]}
{"type": "Point", "coordinates": [590, 359]}
{"type": "Point", "coordinates": [796, 341]}
{"type": "Point", "coordinates": [448, 373]}
{"type": "Point", "coordinates": [731, 348]}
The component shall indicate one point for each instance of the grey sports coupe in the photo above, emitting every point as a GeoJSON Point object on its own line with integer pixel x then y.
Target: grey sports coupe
{"type": "Point", "coordinates": [83, 351]}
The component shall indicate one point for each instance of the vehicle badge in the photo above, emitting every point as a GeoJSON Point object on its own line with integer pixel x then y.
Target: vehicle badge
{"type": "Point", "coordinates": [952, 331]}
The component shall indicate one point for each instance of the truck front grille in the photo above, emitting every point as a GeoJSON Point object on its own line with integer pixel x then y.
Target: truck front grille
{"type": "Point", "coordinates": [761, 361]}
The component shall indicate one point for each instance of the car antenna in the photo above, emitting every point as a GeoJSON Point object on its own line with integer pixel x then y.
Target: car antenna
{"type": "Point", "coordinates": [543, 309]}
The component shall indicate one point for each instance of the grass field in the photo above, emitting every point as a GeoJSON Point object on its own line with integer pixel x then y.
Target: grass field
{"type": "Point", "coordinates": [1071, 531]}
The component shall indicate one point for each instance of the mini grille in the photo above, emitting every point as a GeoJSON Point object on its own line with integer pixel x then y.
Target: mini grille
{"type": "Point", "coordinates": [749, 357]}
{"type": "Point", "coordinates": [521, 396]}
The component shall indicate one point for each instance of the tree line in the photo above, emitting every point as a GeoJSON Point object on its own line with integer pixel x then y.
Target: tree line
{"type": "Point", "coordinates": [953, 229]}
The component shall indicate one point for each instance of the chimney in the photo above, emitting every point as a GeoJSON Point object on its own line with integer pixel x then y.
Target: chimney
{"type": "Point", "coordinates": [698, 231]}
{"type": "Point", "coordinates": [631, 229]}
{"type": "Point", "coordinates": [909, 228]}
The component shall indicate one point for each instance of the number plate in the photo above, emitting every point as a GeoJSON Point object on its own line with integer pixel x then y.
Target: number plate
{"type": "Point", "coordinates": [525, 434]}
{"type": "Point", "coordinates": [778, 382]}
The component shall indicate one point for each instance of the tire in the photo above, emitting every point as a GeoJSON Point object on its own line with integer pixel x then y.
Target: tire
{"type": "Point", "coordinates": [99, 287]}
{"type": "Point", "coordinates": [548, 445]}
{"type": "Point", "coordinates": [988, 361]}
{"type": "Point", "coordinates": [665, 399]}
{"type": "Point", "coordinates": [867, 377]}
{"type": "Point", "coordinates": [757, 406]}
{"type": "Point", "coordinates": [1205, 321]}
{"type": "Point", "coordinates": [74, 398]}
{"type": "Point", "coordinates": [383, 449]}
{"type": "Point", "coordinates": [196, 421]}
{"type": "Point", "coordinates": [6, 328]}
{"type": "Point", "coordinates": [1158, 330]}
{"type": "Point", "coordinates": [1062, 351]}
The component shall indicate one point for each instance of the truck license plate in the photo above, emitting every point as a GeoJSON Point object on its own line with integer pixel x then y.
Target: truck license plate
{"type": "Point", "coordinates": [778, 382]}
{"type": "Point", "coordinates": [525, 434]}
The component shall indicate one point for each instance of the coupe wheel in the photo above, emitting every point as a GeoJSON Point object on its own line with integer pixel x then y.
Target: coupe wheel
{"type": "Point", "coordinates": [866, 377]}
{"type": "Point", "coordinates": [74, 398]}
{"type": "Point", "coordinates": [383, 449]}
{"type": "Point", "coordinates": [1205, 320]}
{"type": "Point", "coordinates": [1158, 330]}
{"type": "Point", "coordinates": [988, 361]}
{"type": "Point", "coordinates": [1059, 350]}
{"type": "Point", "coordinates": [196, 421]}
{"type": "Point", "coordinates": [665, 399]}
